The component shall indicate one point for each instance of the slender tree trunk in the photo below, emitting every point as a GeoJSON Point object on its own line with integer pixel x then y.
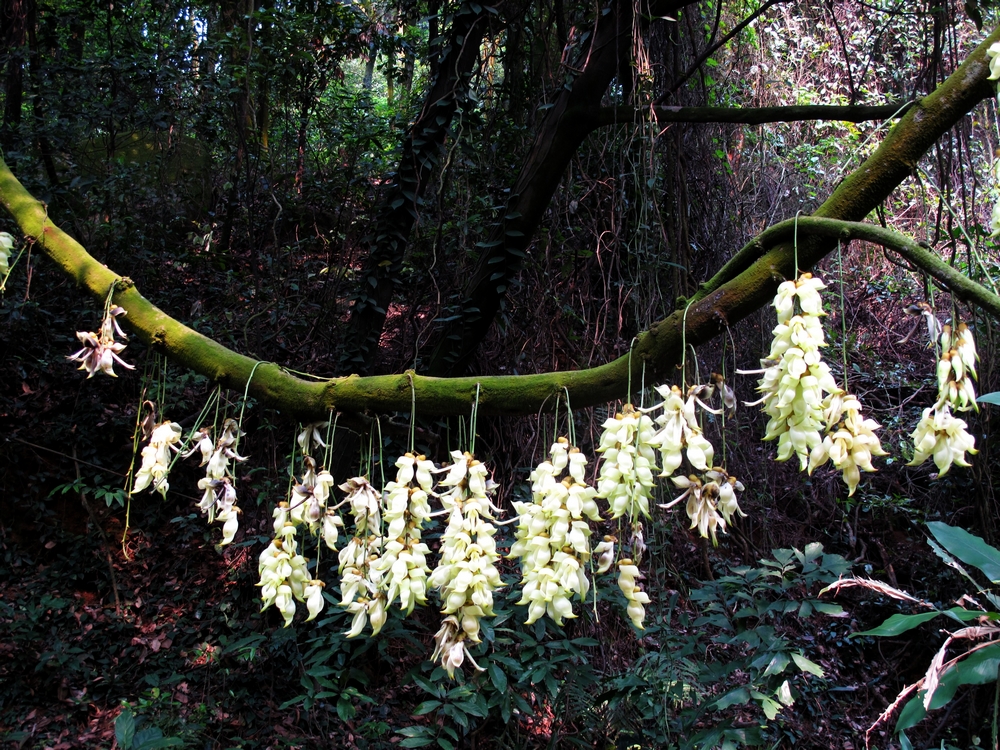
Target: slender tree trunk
{"type": "Point", "coordinates": [400, 208]}
{"type": "Point", "coordinates": [568, 122]}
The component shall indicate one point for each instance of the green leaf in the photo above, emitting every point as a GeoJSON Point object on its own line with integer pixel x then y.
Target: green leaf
{"type": "Point", "coordinates": [829, 608]}
{"type": "Point", "coordinates": [771, 708]}
{"type": "Point", "coordinates": [899, 624]}
{"type": "Point", "coordinates": [498, 677]}
{"type": "Point", "coordinates": [416, 742]}
{"type": "Point", "coordinates": [968, 548]}
{"type": "Point", "coordinates": [989, 398]}
{"type": "Point", "coordinates": [125, 728]}
{"type": "Point", "coordinates": [807, 665]}
{"type": "Point", "coordinates": [426, 707]}
{"type": "Point", "coordinates": [778, 663]}
{"type": "Point", "coordinates": [733, 698]}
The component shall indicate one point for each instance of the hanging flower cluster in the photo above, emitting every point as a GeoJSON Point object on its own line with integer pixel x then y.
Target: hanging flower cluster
{"type": "Point", "coordinates": [466, 575]}
{"type": "Point", "coordinates": [100, 350]}
{"type": "Point", "coordinates": [629, 459]}
{"type": "Point", "coordinates": [850, 441]}
{"type": "Point", "coordinates": [811, 416]}
{"type": "Point", "coordinates": [795, 375]}
{"type": "Point", "coordinates": [939, 433]}
{"type": "Point", "coordinates": [636, 598]}
{"type": "Point", "coordinates": [284, 574]}
{"type": "Point", "coordinates": [218, 500]}
{"type": "Point", "coordinates": [156, 458]}
{"type": "Point", "coordinates": [553, 539]}
{"type": "Point", "coordinates": [403, 563]}
{"type": "Point", "coordinates": [360, 592]}
{"type": "Point", "coordinates": [679, 430]}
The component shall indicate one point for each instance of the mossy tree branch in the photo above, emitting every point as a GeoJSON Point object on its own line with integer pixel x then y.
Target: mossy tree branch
{"type": "Point", "coordinates": [743, 285]}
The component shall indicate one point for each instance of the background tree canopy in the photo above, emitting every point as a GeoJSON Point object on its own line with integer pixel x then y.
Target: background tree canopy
{"type": "Point", "coordinates": [348, 208]}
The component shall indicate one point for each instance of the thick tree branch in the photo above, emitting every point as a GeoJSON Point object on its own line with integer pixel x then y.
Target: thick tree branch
{"type": "Point", "coordinates": [746, 115]}
{"type": "Point", "coordinates": [955, 281]}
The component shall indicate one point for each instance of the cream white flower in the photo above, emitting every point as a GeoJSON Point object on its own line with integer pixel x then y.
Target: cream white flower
{"type": "Point", "coordinates": [850, 441]}
{"type": "Point", "coordinates": [360, 579]}
{"type": "Point", "coordinates": [993, 53]}
{"type": "Point", "coordinates": [284, 576]}
{"type": "Point", "coordinates": [100, 350]}
{"type": "Point", "coordinates": [403, 561]}
{"type": "Point", "coordinates": [552, 539]}
{"type": "Point", "coordinates": [628, 582]}
{"type": "Point", "coordinates": [943, 436]}
{"type": "Point", "coordinates": [6, 250]}
{"type": "Point", "coordinates": [626, 475]}
{"type": "Point", "coordinates": [156, 458]}
{"type": "Point", "coordinates": [466, 575]}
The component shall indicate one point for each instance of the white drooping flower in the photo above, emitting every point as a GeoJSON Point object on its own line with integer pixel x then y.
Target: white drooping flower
{"type": "Point", "coordinates": [993, 53]}
{"type": "Point", "coordinates": [636, 598]}
{"type": "Point", "coordinates": [403, 562]}
{"type": "Point", "coordinates": [359, 578]}
{"type": "Point", "coordinates": [553, 537]}
{"type": "Point", "coordinates": [284, 577]}
{"type": "Point", "coordinates": [156, 458]}
{"type": "Point", "coordinates": [711, 501]}
{"type": "Point", "coordinates": [795, 376]}
{"type": "Point", "coordinates": [628, 460]}
{"type": "Point", "coordinates": [218, 500]}
{"type": "Point", "coordinates": [943, 436]}
{"type": "Point", "coordinates": [850, 441]}
{"type": "Point", "coordinates": [6, 250]}
{"type": "Point", "coordinates": [679, 431]}
{"type": "Point", "coordinates": [466, 575]}
{"type": "Point", "coordinates": [100, 350]}
{"type": "Point", "coordinates": [939, 433]}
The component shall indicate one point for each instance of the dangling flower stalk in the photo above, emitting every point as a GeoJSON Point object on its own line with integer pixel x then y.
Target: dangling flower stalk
{"type": "Point", "coordinates": [553, 539]}
{"type": "Point", "coordinates": [466, 575]}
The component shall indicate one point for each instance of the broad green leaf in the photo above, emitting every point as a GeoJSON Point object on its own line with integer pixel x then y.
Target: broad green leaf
{"type": "Point", "coordinates": [733, 698]}
{"type": "Point", "coordinates": [771, 708]}
{"type": "Point", "coordinates": [778, 663]}
{"type": "Point", "coordinates": [899, 624]}
{"type": "Point", "coordinates": [989, 398]}
{"type": "Point", "coordinates": [806, 665]}
{"type": "Point", "coordinates": [968, 548]}
{"type": "Point", "coordinates": [125, 728]}
{"type": "Point", "coordinates": [416, 742]}
{"type": "Point", "coordinates": [829, 608]}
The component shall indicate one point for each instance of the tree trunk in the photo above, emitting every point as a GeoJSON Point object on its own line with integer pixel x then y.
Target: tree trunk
{"type": "Point", "coordinates": [571, 118]}
{"type": "Point", "coordinates": [401, 205]}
